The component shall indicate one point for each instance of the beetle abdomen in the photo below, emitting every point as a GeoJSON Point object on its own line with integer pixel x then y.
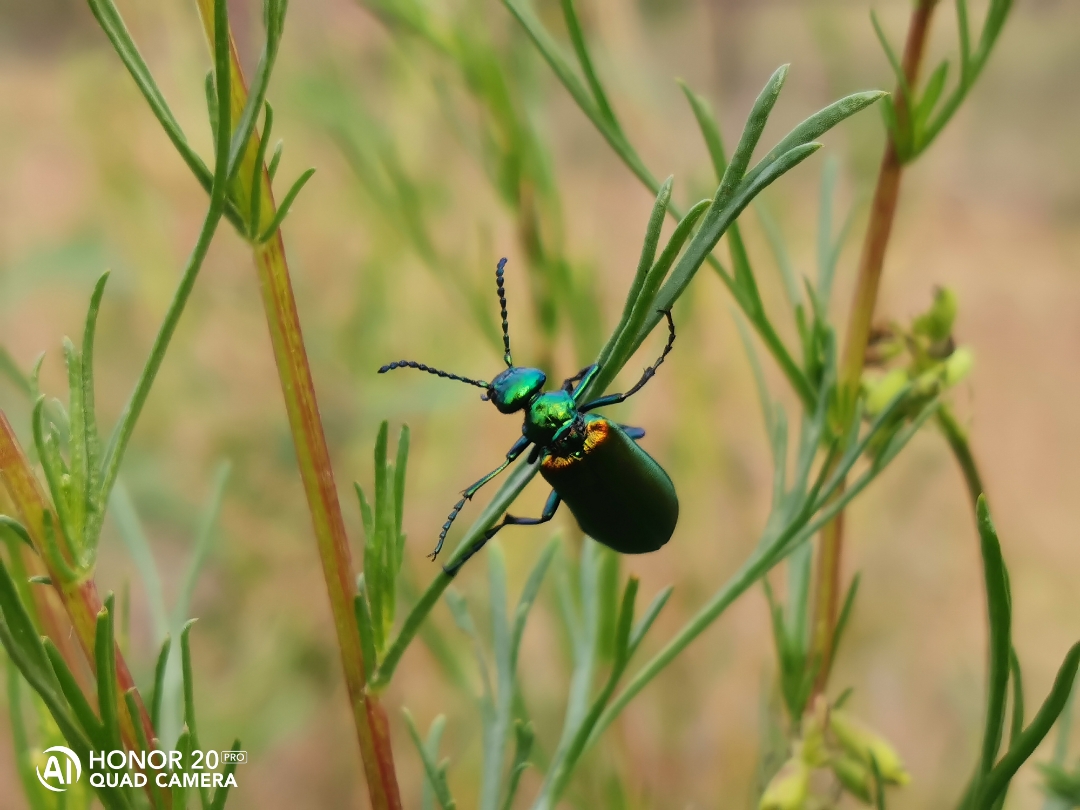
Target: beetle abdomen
{"type": "Point", "coordinates": [620, 496]}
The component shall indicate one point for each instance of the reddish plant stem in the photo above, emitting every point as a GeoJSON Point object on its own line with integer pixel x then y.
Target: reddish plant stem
{"type": "Point", "coordinates": [313, 455]}
{"type": "Point", "coordinates": [871, 263]}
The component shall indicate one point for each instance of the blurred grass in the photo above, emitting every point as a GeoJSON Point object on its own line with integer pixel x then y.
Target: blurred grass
{"type": "Point", "coordinates": [87, 181]}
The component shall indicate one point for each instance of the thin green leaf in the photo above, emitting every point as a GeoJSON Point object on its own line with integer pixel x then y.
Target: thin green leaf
{"type": "Point", "coordinates": [894, 61]}
{"type": "Point", "coordinates": [431, 749]}
{"type": "Point", "coordinates": [715, 223]}
{"type": "Point", "coordinates": [498, 731]}
{"type": "Point", "coordinates": [625, 625]}
{"type": "Point", "coordinates": [20, 626]}
{"type": "Point", "coordinates": [436, 779]}
{"type": "Point", "coordinates": [20, 740]}
{"type": "Point", "coordinates": [744, 276]}
{"type": "Point", "coordinates": [999, 610]}
{"type": "Point", "coordinates": [222, 52]}
{"type": "Point", "coordinates": [845, 612]}
{"type": "Point", "coordinates": [780, 254]}
{"type": "Point", "coordinates": [275, 160]}
{"type": "Point", "coordinates": [577, 37]}
{"type": "Point", "coordinates": [76, 489]}
{"type": "Point", "coordinates": [132, 704]}
{"type": "Point", "coordinates": [204, 538]}
{"type": "Point", "coordinates": [814, 127]}
{"type": "Point", "coordinates": [827, 250]}
{"type": "Point", "coordinates": [179, 792]}
{"type": "Point", "coordinates": [221, 794]}
{"type": "Point", "coordinates": [10, 369]}
{"type": "Point", "coordinates": [996, 782]}
{"type": "Point", "coordinates": [105, 656]}
{"type": "Point", "coordinates": [255, 209]}
{"type": "Point", "coordinates": [73, 693]}
{"type": "Point", "coordinates": [645, 262]}
{"type": "Point", "coordinates": [637, 635]}
{"type": "Point", "coordinates": [189, 701]}
{"type": "Point", "coordinates": [15, 529]}
{"type": "Point", "coordinates": [245, 126]}
{"type": "Point", "coordinates": [764, 398]}
{"type": "Point", "coordinates": [710, 130]}
{"type": "Point", "coordinates": [112, 24]}
{"type": "Point", "coordinates": [367, 516]}
{"type": "Point", "coordinates": [524, 738]}
{"type": "Point", "coordinates": [159, 684]}
{"type": "Point", "coordinates": [751, 134]}
{"type": "Point", "coordinates": [930, 96]}
{"type": "Point", "coordinates": [562, 68]}
{"type": "Point", "coordinates": [47, 444]}
{"type": "Point", "coordinates": [286, 204]}
{"type": "Point", "coordinates": [400, 465]}
{"type": "Point", "coordinates": [645, 306]}
{"type": "Point", "coordinates": [364, 625]}
{"type": "Point", "coordinates": [138, 547]}
{"type": "Point", "coordinates": [528, 597]}
{"type": "Point", "coordinates": [964, 32]}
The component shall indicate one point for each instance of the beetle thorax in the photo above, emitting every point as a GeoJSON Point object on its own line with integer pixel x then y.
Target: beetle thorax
{"type": "Point", "coordinates": [547, 414]}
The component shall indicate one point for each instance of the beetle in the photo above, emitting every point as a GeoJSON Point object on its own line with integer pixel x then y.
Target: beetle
{"type": "Point", "coordinates": [619, 495]}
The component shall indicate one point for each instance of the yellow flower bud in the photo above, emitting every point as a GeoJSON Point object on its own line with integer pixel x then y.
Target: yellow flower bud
{"type": "Point", "coordinates": [867, 746]}
{"type": "Point", "coordinates": [880, 391]}
{"type": "Point", "coordinates": [789, 788]}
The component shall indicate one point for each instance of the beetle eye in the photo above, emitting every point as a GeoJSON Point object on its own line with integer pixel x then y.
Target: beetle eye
{"type": "Point", "coordinates": [485, 398]}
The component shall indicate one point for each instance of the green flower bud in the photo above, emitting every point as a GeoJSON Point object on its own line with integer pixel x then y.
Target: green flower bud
{"type": "Point", "coordinates": [867, 746]}
{"type": "Point", "coordinates": [937, 322]}
{"type": "Point", "coordinates": [787, 790]}
{"type": "Point", "coordinates": [856, 778]}
{"type": "Point", "coordinates": [880, 391]}
{"type": "Point", "coordinates": [958, 365]}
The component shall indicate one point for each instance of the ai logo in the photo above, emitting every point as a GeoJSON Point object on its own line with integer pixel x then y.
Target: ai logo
{"type": "Point", "coordinates": [60, 778]}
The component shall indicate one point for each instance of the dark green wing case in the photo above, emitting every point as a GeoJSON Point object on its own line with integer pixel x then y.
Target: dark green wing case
{"type": "Point", "coordinates": [619, 495]}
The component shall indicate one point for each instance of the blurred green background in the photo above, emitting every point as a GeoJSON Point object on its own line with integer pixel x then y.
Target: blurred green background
{"type": "Point", "coordinates": [88, 182]}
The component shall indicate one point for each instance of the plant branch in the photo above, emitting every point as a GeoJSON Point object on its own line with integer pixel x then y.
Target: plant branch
{"type": "Point", "coordinates": [957, 438]}
{"type": "Point", "coordinates": [313, 455]}
{"type": "Point", "coordinates": [80, 599]}
{"type": "Point", "coordinates": [871, 263]}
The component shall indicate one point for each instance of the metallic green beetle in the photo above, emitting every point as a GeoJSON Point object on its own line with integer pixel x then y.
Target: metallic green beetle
{"type": "Point", "coordinates": [619, 495]}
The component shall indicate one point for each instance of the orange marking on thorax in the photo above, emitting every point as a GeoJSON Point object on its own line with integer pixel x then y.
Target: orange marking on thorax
{"type": "Point", "coordinates": [595, 434]}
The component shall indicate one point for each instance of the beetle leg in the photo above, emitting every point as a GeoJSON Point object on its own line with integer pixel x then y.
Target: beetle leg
{"type": "Point", "coordinates": [550, 507]}
{"type": "Point", "coordinates": [587, 375]}
{"type": "Point", "coordinates": [633, 432]}
{"type": "Point", "coordinates": [512, 453]}
{"type": "Point", "coordinates": [612, 399]}
{"type": "Point", "coordinates": [588, 371]}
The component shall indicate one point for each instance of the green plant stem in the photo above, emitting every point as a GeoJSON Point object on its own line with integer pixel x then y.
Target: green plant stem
{"type": "Point", "coordinates": [871, 263]}
{"type": "Point", "coordinates": [313, 455]}
{"type": "Point", "coordinates": [957, 438]}
{"type": "Point", "coordinates": [130, 416]}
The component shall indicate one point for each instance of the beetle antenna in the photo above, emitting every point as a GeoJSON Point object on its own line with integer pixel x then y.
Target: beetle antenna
{"type": "Point", "coordinates": [502, 303]}
{"type": "Point", "coordinates": [438, 373]}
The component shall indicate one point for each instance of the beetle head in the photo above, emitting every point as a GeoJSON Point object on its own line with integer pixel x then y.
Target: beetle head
{"type": "Point", "coordinates": [515, 388]}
